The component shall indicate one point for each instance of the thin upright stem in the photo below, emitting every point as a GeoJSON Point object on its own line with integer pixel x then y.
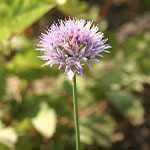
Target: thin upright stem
{"type": "Point", "coordinates": [75, 103]}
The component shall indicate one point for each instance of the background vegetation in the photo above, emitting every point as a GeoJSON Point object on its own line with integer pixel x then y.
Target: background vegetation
{"type": "Point", "coordinates": [36, 111]}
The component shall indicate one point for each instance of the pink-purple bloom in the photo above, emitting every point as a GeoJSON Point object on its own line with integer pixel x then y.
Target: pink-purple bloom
{"type": "Point", "coordinates": [71, 44]}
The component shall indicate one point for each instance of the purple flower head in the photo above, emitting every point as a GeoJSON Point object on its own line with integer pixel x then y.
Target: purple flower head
{"type": "Point", "coordinates": [71, 44]}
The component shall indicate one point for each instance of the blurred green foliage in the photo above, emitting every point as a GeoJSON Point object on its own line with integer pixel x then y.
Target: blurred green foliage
{"type": "Point", "coordinates": [19, 14]}
{"type": "Point", "coordinates": [36, 109]}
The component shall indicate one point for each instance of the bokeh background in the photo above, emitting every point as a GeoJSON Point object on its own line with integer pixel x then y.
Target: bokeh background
{"type": "Point", "coordinates": [36, 108]}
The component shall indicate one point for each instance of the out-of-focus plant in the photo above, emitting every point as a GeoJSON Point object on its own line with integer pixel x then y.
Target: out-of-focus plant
{"type": "Point", "coordinates": [17, 15]}
{"type": "Point", "coordinates": [115, 90]}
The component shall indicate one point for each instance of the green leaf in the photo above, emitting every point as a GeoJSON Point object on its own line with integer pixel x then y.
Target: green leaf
{"type": "Point", "coordinates": [127, 104]}
{"type": "Point", "coordinates": [136, 49]}
{"type": "Point", "coordinates": [5, 32]}
{"type": "Point", "coordinates": [30, 107]}
{"type": "Point", "coordinates": [131, 46]}
{"type": "Point", "coordinates": [20, 15]}
{"type": "Point", "coordinates": [59, 145]}
{"type": "Point", "coordinates": [114, 43]}
{"type": "Point", "coordinates": [26, 65]}
{"type": "Point", "coordinates": [97, 129]}
{"type": "Point", "coordinates": [27, 16]}
{"type": "Point", "coordinates": [24, 125]}
{"type": "Point", "coordinates": [45, 121]}
{"type": "Point", "coordinates": [3, 147]}
{"type": "Point", "coordinates": [111, 77]}
{"type": "Point", "coordinates": [28, 142]}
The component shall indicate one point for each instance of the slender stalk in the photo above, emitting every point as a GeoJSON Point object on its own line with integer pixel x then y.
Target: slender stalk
{"type": "Point", "coordinates": [75, 103]}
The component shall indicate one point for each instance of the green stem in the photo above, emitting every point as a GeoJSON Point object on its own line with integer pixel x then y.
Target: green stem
{"type": "Point", "coordinates": [76, 113]}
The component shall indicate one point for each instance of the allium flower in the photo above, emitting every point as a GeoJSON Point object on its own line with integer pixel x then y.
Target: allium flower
{"type": "Point", "coordinates": [71, 44]}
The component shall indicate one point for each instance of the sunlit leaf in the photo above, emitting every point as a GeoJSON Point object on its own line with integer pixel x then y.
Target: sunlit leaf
{"type": "Point", "coordinates": [8, 136]}
{"type": "Point", "coordinates": [24, 125]}
{"type": "Point", "coordinates": [22, 19]}
{"type": "Point", "coordinates": [5, 32]}
{"type": "Point", "coordinates": [45, 121]}
{"type": "Point", "coordinates": [20, 15]}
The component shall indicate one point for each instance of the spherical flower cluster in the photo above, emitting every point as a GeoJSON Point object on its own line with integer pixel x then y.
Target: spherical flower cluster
{"type": "Point", "coordinates": [72, 43]}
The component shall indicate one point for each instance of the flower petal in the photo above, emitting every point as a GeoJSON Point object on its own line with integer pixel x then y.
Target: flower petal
{"type": "Point", "coordinates": [95, 61]}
